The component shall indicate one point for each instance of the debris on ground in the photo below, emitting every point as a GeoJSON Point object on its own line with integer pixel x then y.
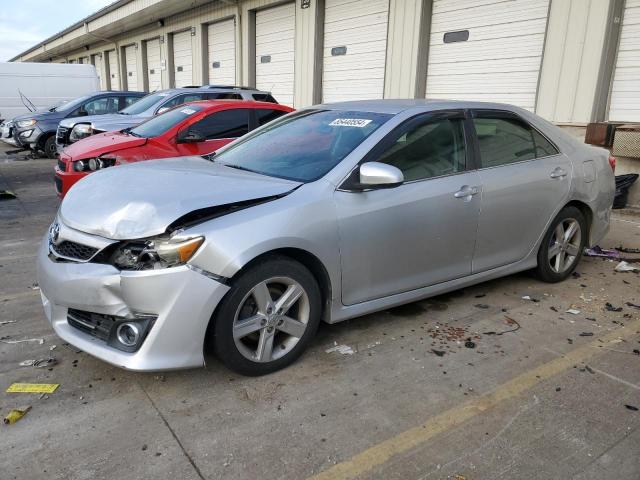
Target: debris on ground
{"type": "Point", "coordinates": [611, 308]}
{"type": "Point", "coordinates": [573, 311]}
{"type": "Point", "coordinates": [4, 322]}
{"type": "Point", "coordinates": [530, 298]}
{"type": "Point", "coordinates": [439, 353]}
{"type": "Point", "coordinates": [35, 286]}
{"type": "Point", "coordinates": [16, 414]}
{"type": "Point", "coordinates": [482, 306]}
{"type": "Point", "coordinates": [7, 195]}
{"type": "Point", "coordinates": [508, 321]}
{"type": "Point", "coordinates": [586, 334]}
{"type": "Point", "coordinates": [469, 343]}
{"type": "Point", "coordinates": [629, 304]}
{"type": "Point", "coordinates": [628, 250]}
{"type": "Point", "coordinates": [633, 408]}
{"type": "Point", "coordinates": [39, 341]}
{"type": "Point", "coordinates": [39, 363]}
{"type": "Point", "coordinates": [343, 349]}
{"type": "Point", "coordinates": [597, 251]}
{"type": "Point", "coordinates": [33, 387]}
{"type": "Point", "coordinates": [624, 267]}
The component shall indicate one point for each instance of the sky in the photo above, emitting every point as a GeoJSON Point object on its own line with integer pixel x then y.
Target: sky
{"type": "Point", "coordinates": [24, 24]}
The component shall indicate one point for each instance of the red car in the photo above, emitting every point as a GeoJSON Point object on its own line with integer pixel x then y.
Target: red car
{"type": "Point", "coordinates": [195, 128]}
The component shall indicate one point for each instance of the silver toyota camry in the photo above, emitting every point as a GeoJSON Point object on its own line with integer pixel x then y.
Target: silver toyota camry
{"type": "Point", "coordinates": [326, 214]}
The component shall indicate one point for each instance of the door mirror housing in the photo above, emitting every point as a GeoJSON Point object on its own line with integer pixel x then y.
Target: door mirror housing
{"type": "Point", "coordinates": [190, 136]}
{"type": "Point", "coordinates": [374, 175]}
{"type": "Point", "coordinates": [162, 110]}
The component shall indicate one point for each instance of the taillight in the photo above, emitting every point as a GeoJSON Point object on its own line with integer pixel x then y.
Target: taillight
{"type": "Point", "coordinates": [612, 162]}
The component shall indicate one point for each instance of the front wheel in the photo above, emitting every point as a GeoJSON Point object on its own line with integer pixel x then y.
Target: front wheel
{"type": "Point", "coordinates": [562, 245]}
{"type": "Point", "coordinates": [267, 318]}
{"type": "Point", "coordinates": [50, 149]}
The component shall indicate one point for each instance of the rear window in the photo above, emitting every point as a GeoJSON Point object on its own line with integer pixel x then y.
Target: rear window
{"type": "Point", "coordinates": [145, 103]}
{"type": "Point", "coordinates": [267, 115]}
{"type": "Point", "coordinates": [264, 97]}
{"type": "Point", "coordinates": [162, 123]}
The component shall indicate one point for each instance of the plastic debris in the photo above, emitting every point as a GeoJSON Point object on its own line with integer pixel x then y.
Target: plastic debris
{"type": "Point", "coordinates": [597, 251]}
{"type": "Point", "coordinates": [4, 322]}
{"type": "Point", "coordinates": [573, 311]}
{"type": "Point", "coordinates": [439, 353]}
{"type": "Point", "coordinates": [530, 298]}
{"type": "Point", "coordinates": [629, 304]}
{"type": "Point", "coordinates": [343, 349]}
{"type": "Point", "coordinates": [7, 195]}
{"type": "Point", "coordinates": [33, 387]}
{"type": "Point", "coordinates": [626, 267]}
{"type": "Point", "coordinates": [633, 408]}
{"type": "Point", "coordinates": [16, 414]}
{"type": "Point", "coordinates": [611, 308]}
{"type": "Point", "coordinates": [39, 363]}
{"type": "Point", "coordinates": [586, 334]}
{"type": "Point", "coordinates": [39, 341]}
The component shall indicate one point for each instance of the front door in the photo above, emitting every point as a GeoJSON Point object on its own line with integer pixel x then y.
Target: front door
{"type": "Point", "coordinates": [218, 128]}
{"type": "Point", "coordinates": [417, 234]}
{"type": "Point", "coordinates": [525, 180]}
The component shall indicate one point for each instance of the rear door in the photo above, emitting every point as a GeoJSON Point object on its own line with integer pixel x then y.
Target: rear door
{"type": "Point", "coordinates": [422, 232]}
{"type": "Point", "coordinates": [219, 128]}
{"type": "Point", "coordinates": [525, 180]}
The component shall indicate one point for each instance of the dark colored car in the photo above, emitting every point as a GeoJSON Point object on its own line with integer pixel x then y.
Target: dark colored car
{"type": "Point", "coordinates": [37, 130]}
{"type": "Point", "coordinates": [73, 129]}
{"type": "Point", "coordinates": [196, 128]}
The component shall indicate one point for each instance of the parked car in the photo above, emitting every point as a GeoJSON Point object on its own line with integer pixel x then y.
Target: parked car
{"type": "Point", "coordinates": [328, 213]}
{"type": "Point", "coordinates": [196, 128]}
{"type": "Point", "coordinates": [37, 130]}
{"type": "Point", "coordinates": [74, 129]}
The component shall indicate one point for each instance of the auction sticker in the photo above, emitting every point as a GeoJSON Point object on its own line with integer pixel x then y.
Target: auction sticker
{"type": "Point", "coordinates": [188, 111]}
{"type": "Point", "coordinates": [350, 122]}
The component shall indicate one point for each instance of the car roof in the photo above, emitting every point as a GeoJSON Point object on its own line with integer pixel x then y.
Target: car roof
{"type": "Point", "coordinates": [211, 88]}
{"type": "Point", "coordinates": [117, 92]}
{"type": "Point", "coordinates": [396, 106]}
{"type": "Point", "coordinates": [212, 104]}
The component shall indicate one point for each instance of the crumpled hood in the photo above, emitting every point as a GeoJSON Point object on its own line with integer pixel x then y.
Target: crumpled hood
{"type": "Point", "coordinates": [110, 122]}
{"type": "Point", "coordinates": [96, 145]}
{"type": "Point", "coordinates": [142, 199]}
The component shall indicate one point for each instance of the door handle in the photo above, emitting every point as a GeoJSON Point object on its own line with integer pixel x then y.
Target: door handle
{"type": "Point", "coordinates": [466, 191]}
{"type": "Point", "coordinates": [558, 173]}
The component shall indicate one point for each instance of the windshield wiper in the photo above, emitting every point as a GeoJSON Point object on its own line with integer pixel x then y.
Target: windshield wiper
{"type": "Point", "coordinates": [239, 167]}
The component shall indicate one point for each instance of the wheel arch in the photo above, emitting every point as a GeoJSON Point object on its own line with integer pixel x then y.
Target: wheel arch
{"type": "Point", "coordinates": [44, 137]}
{"type": "Point", "coordinates": [586, 211]}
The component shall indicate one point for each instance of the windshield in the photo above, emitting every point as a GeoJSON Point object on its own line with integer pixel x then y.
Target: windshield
{"type": "Point", "coordinates": [145, 103]}
{"type": "Point", "coordinates": [66, 106]}
{"type": "Point", "coordinates": [162, 123]}
{"type": "Point", "coordinates": [304, 146]}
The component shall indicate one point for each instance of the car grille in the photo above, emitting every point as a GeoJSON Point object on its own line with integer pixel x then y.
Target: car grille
{"type": "Point", "coordinates": [62, 166]}
{"type": "Point", "coordinates": [74, 250]}
{"type": "Point", "coordinates": [62, 135]}
{"type": "Point", "coordinates": [58, 182]}
{"type": "Point", "coordinates": [95, 324]}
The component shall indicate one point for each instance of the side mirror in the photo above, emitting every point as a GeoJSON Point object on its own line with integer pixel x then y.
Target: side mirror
{"type": "Point", "coordinates": [379, 175]}
{"type": "Point", "coordinates": [162, 110]}
{"type": "Point", "coordinates": [82, 113]}
{"type": "Point", "coordinates": [190, 136]}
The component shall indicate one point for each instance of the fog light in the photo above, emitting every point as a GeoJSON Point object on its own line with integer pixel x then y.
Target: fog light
{"type": "Point", "coordinates": [26, 134]}
{"type": "Point", "coordinates": [128, 334]}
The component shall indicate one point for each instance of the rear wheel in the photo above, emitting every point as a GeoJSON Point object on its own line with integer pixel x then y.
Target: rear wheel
{"type": "Point", "coordinates": [562, 245]}
{"type": "Point", "coordinates": [268, 317]}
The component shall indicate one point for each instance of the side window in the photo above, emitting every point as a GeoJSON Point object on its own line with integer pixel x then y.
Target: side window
{"type": "Point", "coordinates": [130, 101]}
{"type": "Point", "coordinates": [224, 96]}
{"type": "Point", "coordinates": [544, 148]}
{"type": "Point", "coordinates": [267, 115]}
{"type": "Point", "coordinates": [100, 106]}
{"type": "Point", "coordinates": [508, 140]}
{"type": "Point", "coordinates": [264, 97]}
{"type": "Point", "coordinates": [224, 124]}
{"type": "Point", "coordinates": [430, 149]}
{"type": "Point", "coordinates": [180, 99]}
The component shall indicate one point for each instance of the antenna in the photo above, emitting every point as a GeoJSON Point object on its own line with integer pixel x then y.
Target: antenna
{"type": "Point", "coordinates": [31, 107]}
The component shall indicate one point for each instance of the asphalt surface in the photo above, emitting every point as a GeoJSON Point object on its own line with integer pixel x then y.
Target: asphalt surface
{"type": "Point", "coordinates": [540, 401]}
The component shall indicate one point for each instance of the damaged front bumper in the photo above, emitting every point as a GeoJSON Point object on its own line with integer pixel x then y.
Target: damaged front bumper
{"type": "Point", "coordinates": [179, 302]}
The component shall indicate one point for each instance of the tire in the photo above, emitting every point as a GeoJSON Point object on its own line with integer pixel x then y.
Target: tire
{"type": "Point", "coordinates": [50, 150]}
{"type": "Point", "coordinates": [249, 335]}
{"type": "Point", "coordinates": [555, 268]}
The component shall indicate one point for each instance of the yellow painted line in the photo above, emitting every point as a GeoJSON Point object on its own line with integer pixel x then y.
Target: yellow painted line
{"type": "Point", "coordinates": [33, 387]}
{"type": "Point", "coordinates": [378, 454]}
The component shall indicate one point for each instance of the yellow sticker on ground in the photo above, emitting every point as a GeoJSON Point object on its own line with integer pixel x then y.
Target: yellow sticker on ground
{"type": "Point", "coordinates": [33, 388]}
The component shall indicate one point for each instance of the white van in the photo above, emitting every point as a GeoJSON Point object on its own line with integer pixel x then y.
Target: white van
{"type": "Point", "coordinates": [24, 86]}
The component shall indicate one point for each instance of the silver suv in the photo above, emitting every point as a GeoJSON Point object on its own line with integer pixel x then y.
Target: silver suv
{"type": "Point", "coordinates": [73, 129]}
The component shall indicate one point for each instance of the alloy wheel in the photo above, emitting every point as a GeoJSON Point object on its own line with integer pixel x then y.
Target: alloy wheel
{"type": "Point", "coordinates": [564, 246]}
{"type": "Point", "coordinates": [271, 319]}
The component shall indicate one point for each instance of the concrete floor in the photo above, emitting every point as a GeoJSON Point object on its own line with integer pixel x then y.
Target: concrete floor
{"type": "Point", "coordinates": [518, 405]}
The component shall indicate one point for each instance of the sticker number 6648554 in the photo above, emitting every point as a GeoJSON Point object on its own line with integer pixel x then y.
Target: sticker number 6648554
{"type": "Point", "coordinates": [350, 122]}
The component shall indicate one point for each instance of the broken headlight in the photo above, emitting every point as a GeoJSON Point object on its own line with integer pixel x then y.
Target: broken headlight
{"type": "Point", "coordinates": [93, 164]}
{"type": "Point", "coordinates": [155, 253]}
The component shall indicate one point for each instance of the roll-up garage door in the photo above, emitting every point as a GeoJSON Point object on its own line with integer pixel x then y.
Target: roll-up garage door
{"type": "Point", "coordinates": [97, 62]}
{"type": "Point", "coordinates": [625, 91]}
{"type": "Point", "coordinates": [275, 63]}
{"type": "Point", "coordinates": [114, 78]}
{"type": "Point", "coordinates": [489, 50]}
{"type": "Point", "coordinates": [132, 67]}
{"type": "Point", "coordinates": [182, 59]}
{"type": "Point", "coordinates": [355, 44]}
{"type": "Point", "coordinates": [154, 77]}
{"type": "Point", "coordinates": [221, 38]}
